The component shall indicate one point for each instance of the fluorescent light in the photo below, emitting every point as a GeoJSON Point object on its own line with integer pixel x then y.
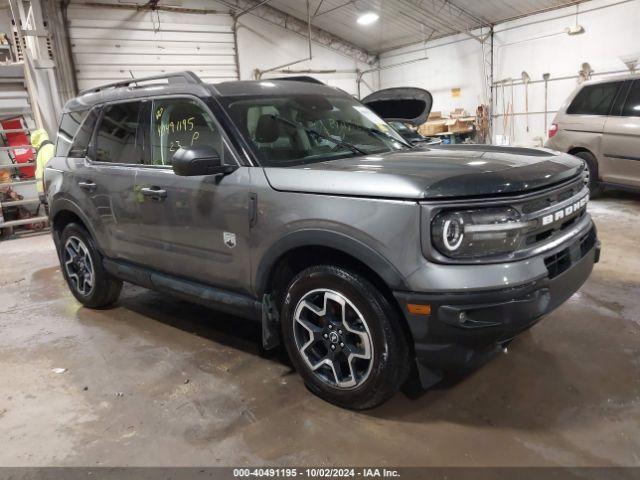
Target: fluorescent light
{"type": "Point", "coordinates": [368, 18]}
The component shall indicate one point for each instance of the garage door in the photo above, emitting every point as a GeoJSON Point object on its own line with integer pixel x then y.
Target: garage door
{"type": "Point", "coordinates": [110, 44]}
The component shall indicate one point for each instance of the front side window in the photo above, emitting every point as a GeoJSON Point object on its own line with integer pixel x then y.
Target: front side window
{"type": "Point", "coordinates": [181, 122]}
{"type": "Point", "coordinates": [69, 126]}
{"type": "Point", "coordinates": [632, 105]}
{"type": "Point", "coordinates": [117, 139]}
{"type": "Point", "coordinates": [297, 129]}
{"type": "Point", "coordinates": [594, 99]}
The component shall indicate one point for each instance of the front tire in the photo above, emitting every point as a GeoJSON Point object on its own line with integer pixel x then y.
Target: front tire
{"type": "Point", "coordinates": [82, 268]}
{"type": "Point", "coordinates": [344, 337]}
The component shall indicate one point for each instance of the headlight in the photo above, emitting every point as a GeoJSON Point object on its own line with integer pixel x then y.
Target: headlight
{"type": "Point", "coordinates": [477, 233]}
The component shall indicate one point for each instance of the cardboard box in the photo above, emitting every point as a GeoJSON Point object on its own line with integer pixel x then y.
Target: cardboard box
{"type": "Point", "coordinates": [434, 116]}
{"type": "Point", "coordinates": [459, 113]}
{"type": "Point", "coordinates": [432, 127]}
{"type": "Point", "coordinates": [460, 125]}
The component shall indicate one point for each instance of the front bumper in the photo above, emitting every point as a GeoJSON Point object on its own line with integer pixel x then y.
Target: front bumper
{"type": "Point", "coordinates": [463, 328]}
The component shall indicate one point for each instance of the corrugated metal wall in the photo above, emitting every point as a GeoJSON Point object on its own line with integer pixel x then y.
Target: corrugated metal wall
{"type": "Point", "coordinates": [107, 43]}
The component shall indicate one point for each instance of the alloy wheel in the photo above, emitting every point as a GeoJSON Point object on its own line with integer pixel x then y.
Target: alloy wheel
{"type": "Point", "coordinates": [333, 338]}
{"type": "Point", "coordinates": [78, 265]}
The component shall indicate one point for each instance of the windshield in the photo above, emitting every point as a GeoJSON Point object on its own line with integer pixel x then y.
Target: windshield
{"type": "Point", "coordinates": [294, 130]}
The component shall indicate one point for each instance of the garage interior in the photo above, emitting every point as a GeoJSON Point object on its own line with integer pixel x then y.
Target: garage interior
{"type": "Point", "coordinates": [156, 381]}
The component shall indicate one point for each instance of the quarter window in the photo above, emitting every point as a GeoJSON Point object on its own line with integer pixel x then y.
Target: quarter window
{"type": "Point", "coordinates": [83, 137]}
{"type": "Point", "coordinates": [632, 105]}
{"type": "Point", "coordinates": [181, 122]}
{"type": "Point", "coordinates": [69, 126]}
{"type": "Point", "coordinates": [117, 140]}
{"type": "Point", "coordinates": [594, 99]}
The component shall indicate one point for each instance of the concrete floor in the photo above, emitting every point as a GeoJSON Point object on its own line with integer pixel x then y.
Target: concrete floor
{"type": "Point", "coordinates": [157, 381]}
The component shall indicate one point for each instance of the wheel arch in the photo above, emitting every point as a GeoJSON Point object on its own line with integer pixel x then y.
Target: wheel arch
{"type": "Point", "coordinates": [578, 149]}
{"type": "Point", "coordinates": [62, 213]}
{"type": "Point", "coordinates": [300, 250]}
{"type": "Point", "coordinates": [320, 243]}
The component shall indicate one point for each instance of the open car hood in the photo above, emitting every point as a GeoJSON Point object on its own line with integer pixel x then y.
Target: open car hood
{"type": "Point", "coordinates": [403, 104]}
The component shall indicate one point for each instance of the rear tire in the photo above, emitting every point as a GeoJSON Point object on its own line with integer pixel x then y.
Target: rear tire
{"type": "Point", "coordinates": [592, 171]}
{"type": "Point", "coordinates": [344, 337]}
{"type": "Point", "coordinates": [81, 265]}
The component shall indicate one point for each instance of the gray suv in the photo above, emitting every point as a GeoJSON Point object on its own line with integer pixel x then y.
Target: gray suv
{"type": "Point", "coordinates": [289, 202]}
{"type": "Point", "coordinates": [600, 123]}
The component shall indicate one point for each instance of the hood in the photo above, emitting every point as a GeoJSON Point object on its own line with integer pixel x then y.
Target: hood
{"type": "Point", "coordinates": [38, 136]}
{"type": "Point", "coordinates": [436, 172]}
{"type": "Point", "coordinates": [404, 104]}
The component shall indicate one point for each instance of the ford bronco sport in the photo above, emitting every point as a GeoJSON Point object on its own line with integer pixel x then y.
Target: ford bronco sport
{"type": "Point", "coordinates": [291, 203]}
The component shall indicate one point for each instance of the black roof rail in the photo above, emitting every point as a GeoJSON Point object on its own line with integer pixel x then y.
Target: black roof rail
{"type": "Point", "coordinates": [173, 77]}
{"type": "Point", "coordinates": [300, 78]}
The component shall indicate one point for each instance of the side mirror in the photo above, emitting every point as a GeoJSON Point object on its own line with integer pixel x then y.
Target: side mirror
{"type": "Point", "coordinates": [202, 160]}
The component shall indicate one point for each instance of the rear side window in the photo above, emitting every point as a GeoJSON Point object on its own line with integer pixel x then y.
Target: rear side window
{"type": "Point", "coordinates": [117, 139]}
{"type": "Point", "coordinates": [69, 126]}
{"type": "Point", "coordinates": [594, 99]}
{"type": "Point", "coordinates": [83, 137]}
{"type": "Point", "coordinates": [632, 105]}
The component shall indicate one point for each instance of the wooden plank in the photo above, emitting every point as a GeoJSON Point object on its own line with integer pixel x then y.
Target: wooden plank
{"type": "Point", "coordinates": [8, 166]}
{"type": "Point", "coordinates": [25, 221]}
{"type": "Point", "coordinates": [17, 183]}
{"type": "Point", "coordinates": [17, 147]}
{"type": "Point", "coordinates": [15, 203]}
{"type": "Point", "coordinates": [15, 130]}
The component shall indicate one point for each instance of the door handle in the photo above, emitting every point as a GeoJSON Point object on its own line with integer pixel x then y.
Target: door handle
{"type": "Point", "coordinates": [155, 193]}
{"type": "Point", "coordinates": [87, 185]}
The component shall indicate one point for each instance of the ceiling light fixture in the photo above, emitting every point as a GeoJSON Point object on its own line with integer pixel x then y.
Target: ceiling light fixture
{"type": "Point", "coordinates": [368, 18]}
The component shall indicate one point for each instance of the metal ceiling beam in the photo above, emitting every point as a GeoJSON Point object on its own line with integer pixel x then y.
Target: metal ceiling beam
{"type": "Point", "coordinates": [452, 23]}
{"type": "Point", "coordinates": [283, 20]}
{"type": "Point", "coordinates": [264, 2]}
{"type": "Point", "coordinates": [329, 10]}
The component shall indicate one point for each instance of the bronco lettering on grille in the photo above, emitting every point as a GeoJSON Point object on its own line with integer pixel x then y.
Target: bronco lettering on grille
{"type": "Point", "coordinates": [565, 212]}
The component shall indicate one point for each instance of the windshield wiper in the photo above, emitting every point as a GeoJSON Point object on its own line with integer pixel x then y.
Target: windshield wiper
{"type": "Point", "coordinates": [311, 131]}
{"type": "Point", "coordinates": [375, 131]}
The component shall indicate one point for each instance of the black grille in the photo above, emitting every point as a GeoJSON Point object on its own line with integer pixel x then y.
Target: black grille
{"type": "Point", "coordinates": [553, 198]}
{"type": "Point", "coordinates": [561, 261]}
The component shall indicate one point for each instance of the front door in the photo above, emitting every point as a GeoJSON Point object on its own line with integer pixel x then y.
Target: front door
{"type": "Point", "coordinates": [621, 143]}
{"type": "Point", "coordinates": [194, 227]}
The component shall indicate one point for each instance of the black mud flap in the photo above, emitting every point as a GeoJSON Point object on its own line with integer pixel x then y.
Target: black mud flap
{"type": "Point", "coordinates": [270, 323]}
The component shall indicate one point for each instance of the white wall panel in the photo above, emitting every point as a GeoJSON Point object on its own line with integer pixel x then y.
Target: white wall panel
{"type": "Point", "coordinates": [536, 44]}
{"type": "Point", "coordinates": [263, 45]}
{"type": "Point", "coordinates": [453, 62]}
{"type": "Point", "coordinates": [109, 44]}
{"type": "Point", "coordinates": [539, 44]}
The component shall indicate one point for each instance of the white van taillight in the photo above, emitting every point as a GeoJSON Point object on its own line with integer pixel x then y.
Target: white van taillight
{"type": "Point", "coordinates": [553, 129]}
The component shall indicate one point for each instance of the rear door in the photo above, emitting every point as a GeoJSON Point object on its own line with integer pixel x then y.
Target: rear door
{"type": "Point", "coordinates": [582, 124]}
{"type": "Point", "coordinates": [194, 227]}
{"type": "Point", "coordinates": [107, 177]}
{"type": "Point", "coordinates": [621, 142]}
